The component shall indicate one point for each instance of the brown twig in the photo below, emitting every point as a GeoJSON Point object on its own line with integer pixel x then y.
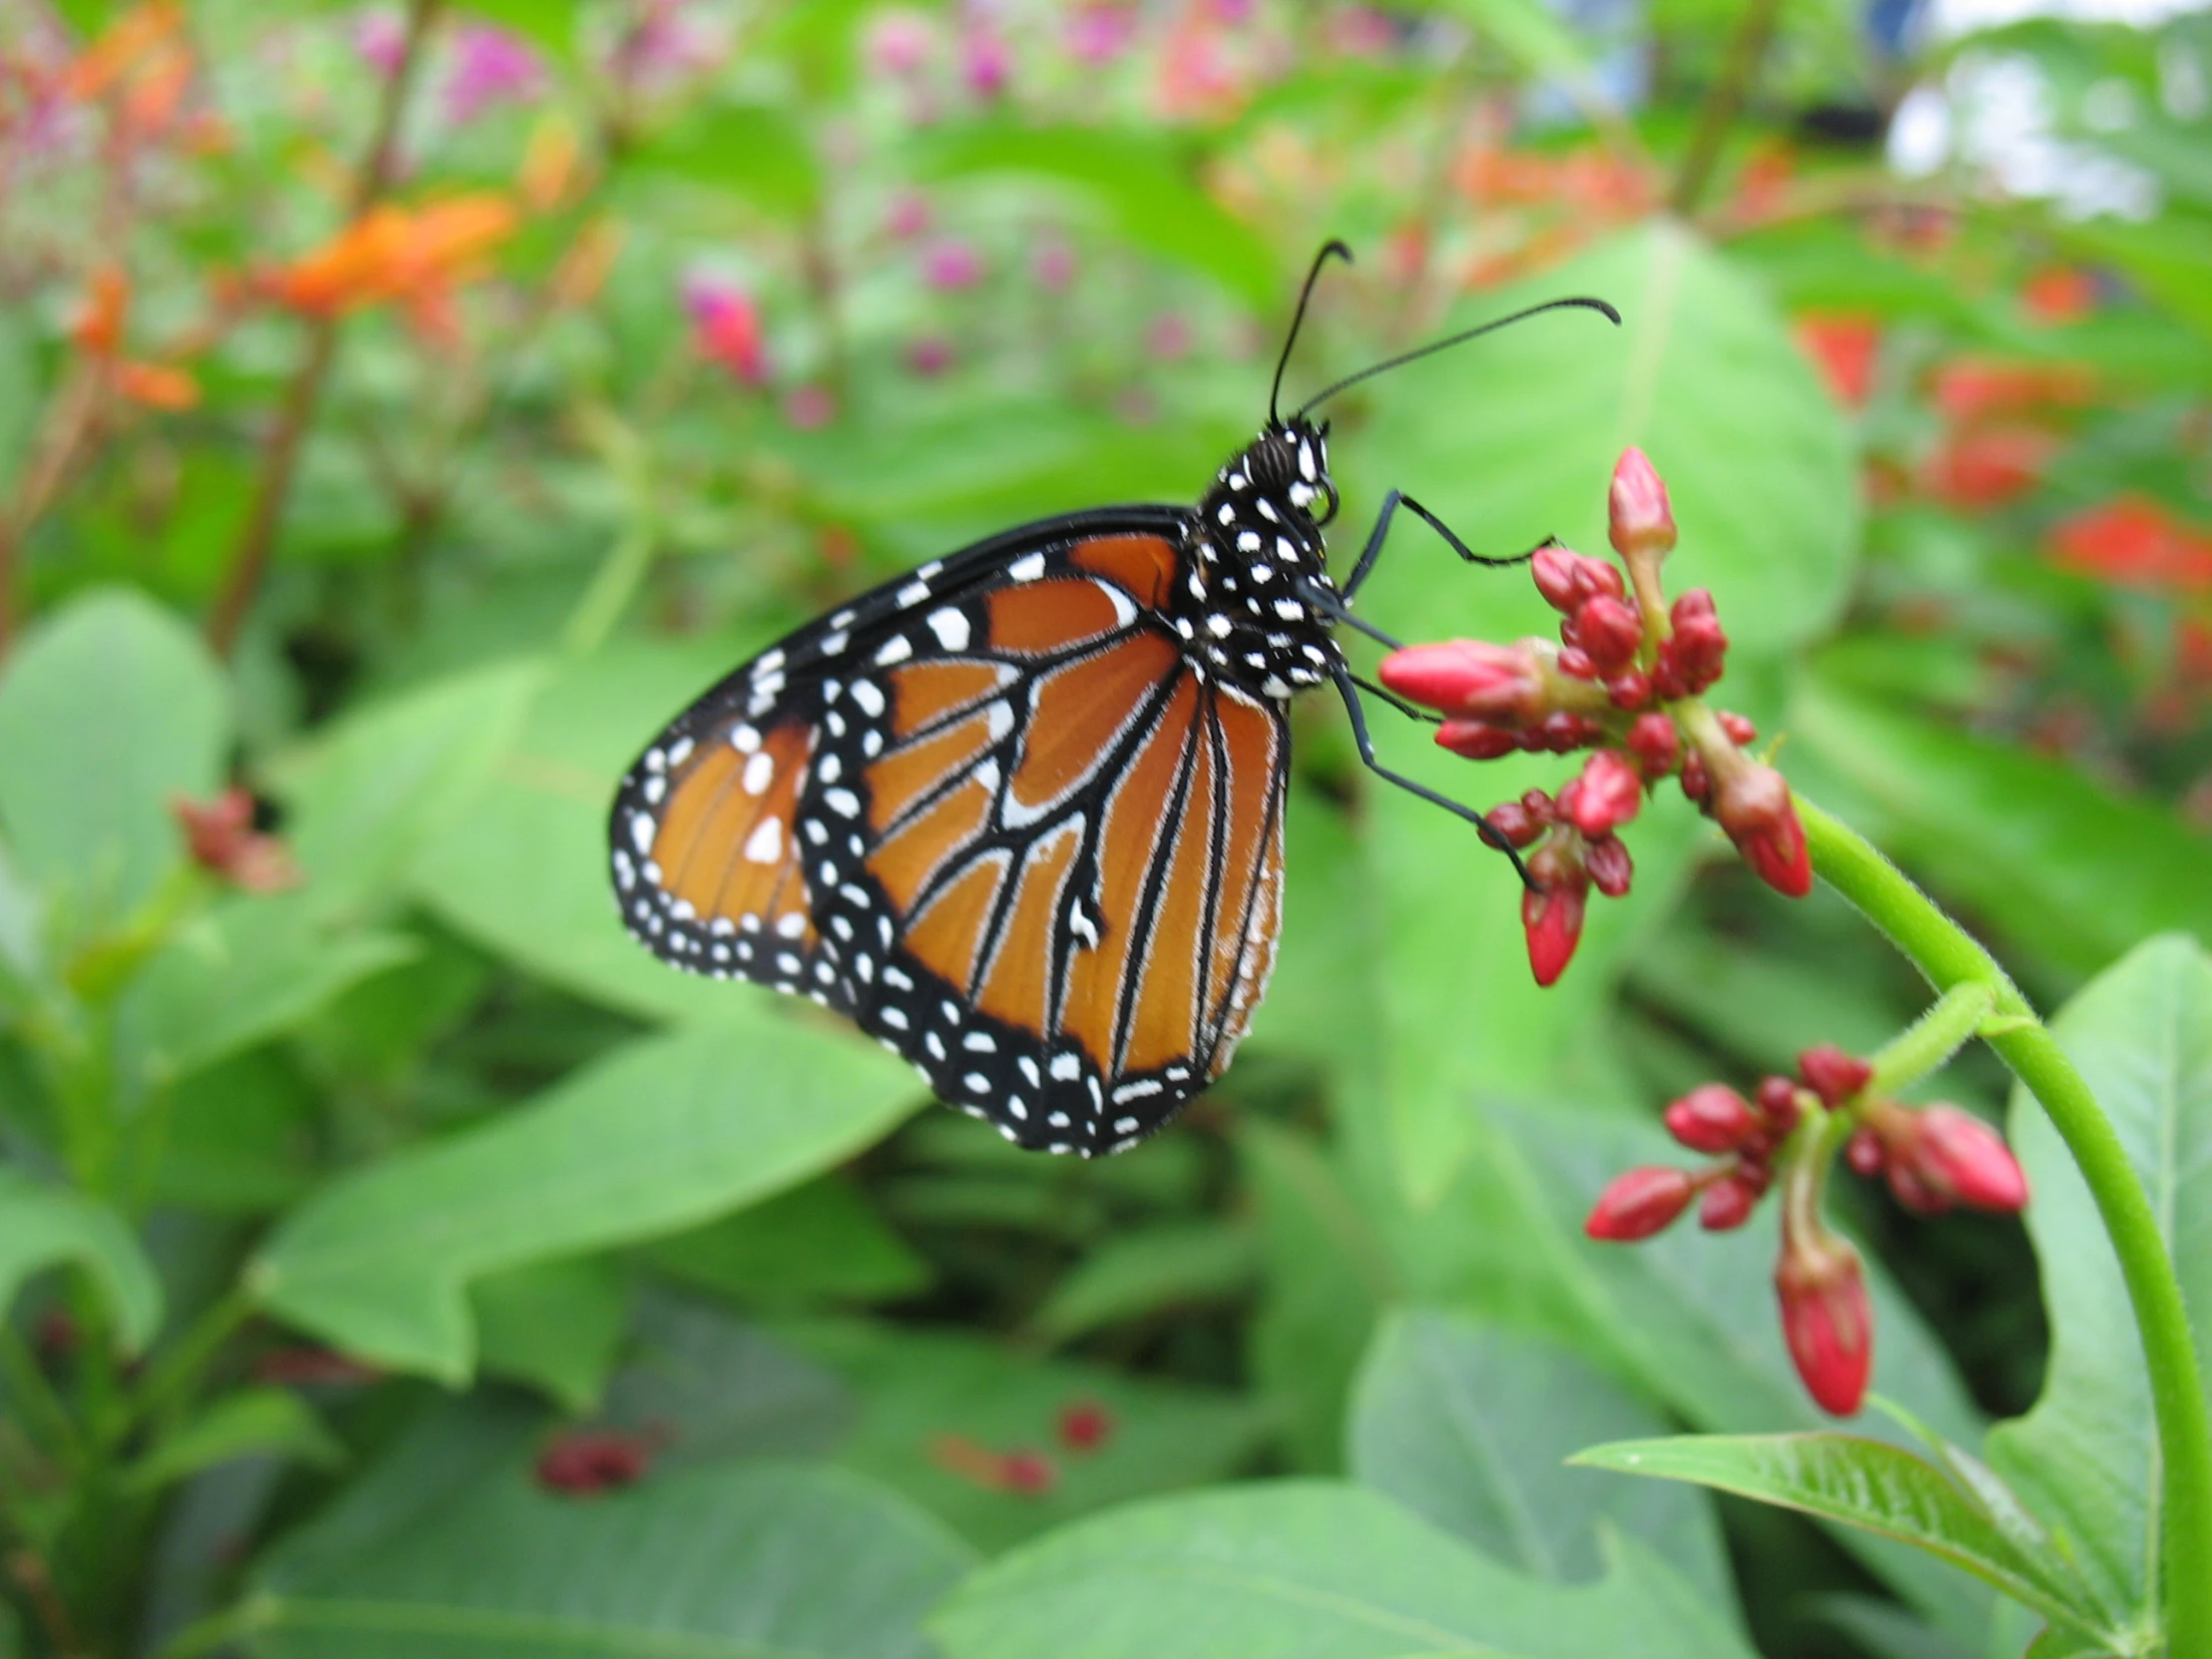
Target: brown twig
{"type": "Point", "coordinates": [1724, 101]}
{"type": "Point", "coordinates": [251, 562]}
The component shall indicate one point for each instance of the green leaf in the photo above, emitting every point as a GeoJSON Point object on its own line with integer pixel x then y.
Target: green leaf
{"type": "Point", "coordinates": [1144, 186]}
{"type": "Point", "coordinates": [1132, 1275]}
{"type": "Point", "coordinates": [240, 1138]}
{"type": "Point", "coordinates": [106, 711]}
{"type": "Point", "coordinates": [2057, 863]}
{"type": "Point", "coordinates": [717, 1386]}
{"type": "Point", "coordinates": [1328, 1276]}
{"type": "Point", "coordinates": [1862, 1483]}
{"type": "Point", "coordinates": [817, 1241]}
{"type": "Point", "coordinates": [715, 1561]}
{"type": "Point", "coordinates": [549, 25]}
{"type": "Point", "coordinates": [2085, 1458]}
{"type": "Point", "coordinates": [42, 1225]}
{"type": "Point", "coordinates": [1305, 1570]}
{"type": "Point", "coordinates": [661, 1135]}
{"type": "Point", "coordinates": [250, 969]}
{"type": "Point", "coordinates": [369, 791]}
{"type": "Point", "coordinates": [554, 1324]}
{"type": "Point", "coordinates": [752, 151]}
{"type": "Point", "coordinates": [250, 1423]}
{"type": "Point", "coordinates": [926, 1397]}
{"type": "Point", "coordinates": [1470, 1426]}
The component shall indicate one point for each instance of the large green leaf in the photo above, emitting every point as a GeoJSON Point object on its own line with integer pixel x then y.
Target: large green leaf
{"type": "Point", "coordinates": [1862, 1483]}
{"type": "Point", "coordinates": [107, 712]}
{"type": "Point", "coordinates": [2086, 1459]}
{"type": "Point", "coordinates": [713, 1561]}
{"type": "Point", "coordinates": [42, 1227]}
{"type": "Point", "coordinates": [662, 1135]}
{"type": "Point", "coordinates": [1470, 1426]}
{"type": "Point", "coordinates": [930, 1402]}
{"type": "Point", "coordinates": [1305, 1570]}
{"type": "Point", "coordinates": [1146, 189]}
{"type": "Point", "coordinates": [555, 1325]}
{"type": "Point", "coordinates": [2062, 865]}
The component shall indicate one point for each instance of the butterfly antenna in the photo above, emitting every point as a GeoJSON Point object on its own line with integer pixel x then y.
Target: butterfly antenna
{"type": "Point", "coordinates": [1329, 249]}
{"type": "Point", "coordinates": [1581, 302]}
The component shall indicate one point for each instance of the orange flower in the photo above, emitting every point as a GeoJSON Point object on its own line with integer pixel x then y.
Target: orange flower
{"type": "Point", "coordinates": [157, 386]}
{"type": "Point", "coordinates": [98, 329]}
{"type": "Point", "coordinates": [1970, 388]}
{"type": "Point", "coordinates": [2135, 541]}
{"type": "Point", "coordinates": [1844, 348]}
{"type": "Point", "coordinates": [417, 255]}
{"type": "Point", "coordinates": [2059, 295]}
{"type": "Point", "coordinates": [138, 33]}
{"type": "Point", "coordinates": [1990, 466]}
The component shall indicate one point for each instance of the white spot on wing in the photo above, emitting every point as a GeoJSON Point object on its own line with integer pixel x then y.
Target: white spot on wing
{"type": "Point", "coordinates": [765, 845]}
{"type": "Point", "coordinates": [1027, 568]}
{"type": "Point", "coordinates": [950, 627]}
{"type": "Point", "coordinates": [897, 649]}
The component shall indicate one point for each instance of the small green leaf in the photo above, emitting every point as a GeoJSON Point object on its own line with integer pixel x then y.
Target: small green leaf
{"type": "Point", "coordinates": [1862, 1483]}
{"type": "Point", "coordinates": [250, 1423]}
{"type": "Point", "coordinates": [661, 1135]}
{"type": "Point", "coordinates": [108, 709]}
{"type": "Point", "coordinates": [822, 1241]}
{"type": "Point", "coordinates": [710, 1562]}
{"type": "Point", "coordinates": [1144, 1271]}
{"type": "Point", "coordinates": [1471, 1427]}
{"type": "Point", "coordinates": [41, 1227]}
{"type": "Point", "coordinates": [2085, 1458]}
{"type": "Point", "coordinates": [554, 1324]}
{"type": "Point", "coordinates": [1302, 1570]}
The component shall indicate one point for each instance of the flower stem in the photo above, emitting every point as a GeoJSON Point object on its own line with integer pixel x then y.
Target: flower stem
{"type": "Point", "coordinates": [1950, 958]}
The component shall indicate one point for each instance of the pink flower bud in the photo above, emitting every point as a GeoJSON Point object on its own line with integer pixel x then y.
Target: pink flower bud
{"type": "Point", "coordinates": [1656, 745]}
{"type": "Point", "coordinates": [1740, 731]}
{"type": "Point", "coordinates": [1638, 517]}
{"type": "Point", "coordinates": [1606, 795]}
{"type": "Point", "coordinates": [1776, 1097]}
{"type": "Point", "coordinates": [1555, 571]}
{"type": "Point", "coordinates": [1727, 1205]}
{"type": "Point", "coordinates": [1825, 1319]}
{"type": "Point", "coordinates": [900, 43]}
{"type": "Point", "coordinates": [1695, 653]}
{"type": "Point", "coordinates": [1575, 660]}
{"type": "Point", "coordinates": [1610, 631]}
{"type": "Point", "coordinates": [1611, 869]}
{"type": "Point", "coordinates": [1696, 785]}
{"type": "Point", "coordinates": [725, 326]}
{"type": "Point", "coordinates": [1958, 1155]}
{"type": "Point", "coordinates": [1563, 733]}
{"type": "Point", "coordinates": [952, 265]}
{"type": "Point", "coordinates": [1831, 1074]}
{"type": "Point", "coordinates": [1629, 690]}
{"type": "Point", "coordinates": [1515, 822]}
{"type": "Point", "coordinates": [1713, 1118]}
{"type": "Point", "coordinates": [1477, 739]}
{"type": "Point", "coordinates": [1640, 1203]}
{"type": "Point", "coordinates": [1915, 1193]}
{"type": "Point", "coordinates": [1473, 679]}
{"type": "Point", "coordinates": [1752, 802]}
{"type": "Point", "coordinates": [1551, 913]}
{"type": "Point", "coordinates": [221, 838]}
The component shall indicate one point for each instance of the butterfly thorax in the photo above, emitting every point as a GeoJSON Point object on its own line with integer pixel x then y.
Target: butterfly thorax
{"type": "Point", "coordinates": [1255, 548]}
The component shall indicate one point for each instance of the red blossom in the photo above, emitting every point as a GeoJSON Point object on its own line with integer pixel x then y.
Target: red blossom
{"type": "Point", "coordinates": [1656, 744]}
{"type": "Point", "coordinates": [220, 837]}
{"type": "Point", "coordinates": [1553, 918]}
{"type": "Point", "coordinates": [1938, 1156]}
{"type": "Point", "coordinates": [2136, 541]}
{"type": "Point", "coordinates": [1609, 631]}
{"type": "Point", "coordinates": [1752, 803]}
{"type": "Point", "coordinates": [1640, 1203]}
{"type": "Point", "coordinates": [1825, 1319]}
{"type": "Point", "coordinates": [1988, 468]}
{"type": "Point", "coordinates": [1477, 739]}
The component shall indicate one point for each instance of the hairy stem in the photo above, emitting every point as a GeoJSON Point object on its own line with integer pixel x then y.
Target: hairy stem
{"type": "Point", "coordinates": [1950, 959]}
{"type": "Point", "coordinates": [250, 563]}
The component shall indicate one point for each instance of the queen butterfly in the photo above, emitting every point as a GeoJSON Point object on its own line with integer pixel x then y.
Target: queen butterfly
{"type": "Point", "coordinates": [1018, 814]}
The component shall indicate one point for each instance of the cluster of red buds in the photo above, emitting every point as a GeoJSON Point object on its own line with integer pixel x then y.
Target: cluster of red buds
{"type": "Point", "coordinates": [221, 838]}
{"type": "Point", "coordinates": [1626, 680]}
{"type": "Point", "coordinates": [1082, 1426]}
{"type": "Point", "coordinates": [1787, 1132]}
{"type": "Point", "coordinates": [584, 1462]}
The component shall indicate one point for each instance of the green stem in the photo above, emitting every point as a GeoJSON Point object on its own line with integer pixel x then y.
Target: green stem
{"type": "Point", "coordinates": [1949, 959]}
{"type": "Point", "coordinates": [1954, 1021]}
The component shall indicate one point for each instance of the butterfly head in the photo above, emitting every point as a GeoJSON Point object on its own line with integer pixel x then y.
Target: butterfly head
{"type": "Point", "coordinates": [1287, 465]}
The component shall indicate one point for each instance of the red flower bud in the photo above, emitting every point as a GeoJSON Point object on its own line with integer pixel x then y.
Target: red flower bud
{"type": "Point", "coordinates": [1629, 690]}
{"type": "Point", "coordinates": [1727, 1204]}
{"type": "Point", "coordinates": [1959, 1156]}
{"type": "Point", "coordinates": [1697, 651]}
{"type": "Point", "coordinates": [1863, 1152]}
{"type": "Point", "coordinates": [1713, 1118]}
{"type": "Point", "coordinates": [1085, 1426]}
{"type": "Point", "coordinates": [1512, 820]}
{"type": "Point", "coordinates": [1605, 796]}
{"type": "Point", "coordinates": [1640, 1203]}
{"type": "Point", "coordinates": [1695, 784]}
{"type": "Point", "coordinates": [1575, 660]}
{"type": "Point", "coordinates": [1913, 1193]}
{"type": "Point", "coordinates": [1831, 1074]}
{"type": "Point", "coordinates": [1557, 571]}
{"type": "Point", "coordinates": [1477, 739]}
{"type": "Point", "coordinates": [1563, 733]}
{"type": "Point", "coordinates": [1740, 731]}
{"type": "Point", "coordinates": [1552, 916]}
{"type": "Point", "coordinates": [1753, 805]}
{"type": "Point", "coordinates": [220, 837]}
{"type": "Point", "coordinates": [1825, 1319]}
{"type": "Point", "coordinates": [1611, 869]}
{"type": "Point", "coordinates": [1540, 806]}
{"type": "Point", "coordinates": [585, 1462]}
{"type": "Point", "coordinates": [1776, 1097]}
{"type": "Point", "coordinates": [1655, 743]}
{"type": "Point", "coordinates": [1638, 516]}
{"type": "Point", "coordinates": [1473, 679]}
{"type": "Point", "coordinates": [1610, 631]}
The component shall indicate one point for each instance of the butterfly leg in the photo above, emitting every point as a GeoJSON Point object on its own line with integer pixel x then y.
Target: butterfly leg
{"type": "Point", "coordinates": [1348, 688]}
{"type": "Point", "coordinates": [1390, 504]}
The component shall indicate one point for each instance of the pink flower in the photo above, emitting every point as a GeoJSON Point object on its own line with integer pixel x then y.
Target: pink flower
{"type": "Point", "coordinates": [900, 43]}
{"type": "Point", "coordinates": [987, 63]}
{"type": "Point", "coordinates": [1097, 34]}
{"type": "Point", "coordinates": [380, 37]}
{"type": "Point", "coordinates": [952, 265]}
{"type": "Point", "coordinates": [490, 66]}
{"type": "Point", "coordinates": [725, 326]}
{"type": "Point", "coordinates": [1638, 514]}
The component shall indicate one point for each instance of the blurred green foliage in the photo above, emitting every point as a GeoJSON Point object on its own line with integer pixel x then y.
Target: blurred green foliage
{"type": "Point", "coordinates": [405, 409]}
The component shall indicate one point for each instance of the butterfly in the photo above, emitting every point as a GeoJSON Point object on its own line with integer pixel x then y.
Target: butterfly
{"type": "Point", "coordinates": [1018, 813]}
